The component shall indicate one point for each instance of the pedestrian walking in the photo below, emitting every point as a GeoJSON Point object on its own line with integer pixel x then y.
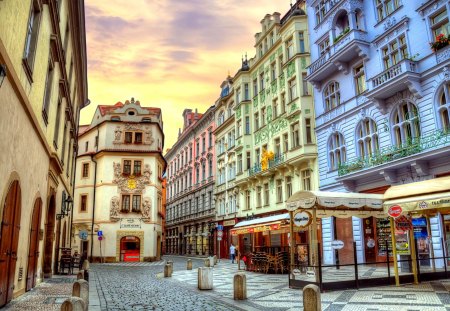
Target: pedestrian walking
{"type": "Point", "coordinates": [232, 253]}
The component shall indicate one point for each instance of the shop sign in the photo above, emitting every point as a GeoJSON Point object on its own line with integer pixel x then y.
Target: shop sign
{"type": "Point", "coordinates": [423, 205]}
{"type": "Point", "coordinates": [337, 244]}
{"type": "Point", "coordinates": [261, 228]}
{"type": "Point", "coordinates": [229, 222]}
{"type": "Point", "coordinates": [83, 234]}
{"type": "Point", "coordinates": [394, 211]}
{"type": "Point", "coordinates": [370, 243]}
{"type": "Point", "coordinates": [403, 223]}
{"type": "Point", "coordinates": [302, 219]}
{"type": "Point", "coordinates": [402, 244]}
{"type": "Point", "coordinates": [130, 223]}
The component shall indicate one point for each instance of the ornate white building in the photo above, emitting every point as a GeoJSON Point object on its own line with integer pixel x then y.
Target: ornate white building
{"type": "Point", "coordinates": [118, 195]}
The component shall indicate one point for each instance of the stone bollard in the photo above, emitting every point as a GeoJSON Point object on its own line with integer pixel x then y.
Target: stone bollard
{"type": "Point", "coordinates": [207, 263]}
{"type": "Point", "coordinates": [205, 278]}
{"type": "Point", "coordinates": [167, 271]}
{"type": "Point", "coordinates": [169, 262]}
{"type": "Point", "coordinates": [73, 304]}
{"type": "Point", "coordinates": [311, 298]}
{"type": "Point", "coordinates": [215, 260]}
{"type": "Point", "coordinates": [85, 265]}
{"type": "Point", "coordinates": [86, 275]}
{"type": "Point", "coordinates": [240, 286]}
{"type": "Point", "coordinates": [189, 264]}
{"type": "Point", "coordinates": [80, 275]}
{"type": "Point", "coordinates": [81, 289]}
{"type": "Point", "coordinates": [211, 261]}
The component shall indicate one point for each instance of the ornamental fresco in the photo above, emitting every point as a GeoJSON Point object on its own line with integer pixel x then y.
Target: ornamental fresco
{"type": "Point", "coordinates": [129, 183]}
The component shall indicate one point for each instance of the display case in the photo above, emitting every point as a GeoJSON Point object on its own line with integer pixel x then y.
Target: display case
{"type": "Point", "coordinates": [383, 238]}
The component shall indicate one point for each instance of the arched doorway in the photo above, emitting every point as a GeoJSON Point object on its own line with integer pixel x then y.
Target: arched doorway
{"type": "Point", "coordinates": [49, 236]}
{"type": "Point", "coordinates": [33, 252]}
{"type": "Point", "coordinates": [9, 239]}
{"type": "Point", "coordinates": [130, 248]}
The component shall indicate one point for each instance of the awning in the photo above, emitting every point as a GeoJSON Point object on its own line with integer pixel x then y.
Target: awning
{"type": "Point", "coordinates": [422, 195]}
{"type": "Point", "coordinates": [309, 199]}
{"type": "Point", "coordinates": [260, 224]}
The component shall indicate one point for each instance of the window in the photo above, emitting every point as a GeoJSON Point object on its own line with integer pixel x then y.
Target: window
{"type": "Point", "coordinates": [203, 170]}
{"type": "Point", "coordinates": [96, 141]}
{"type": "Point", "coordinates": [277, 149]}
{"type": "Point", "coordinates": [394, 52]}
{"type": "Point", "coordinates": [308, 131]}
{"type": "Point", "coordinates": [266, 194]}
{"type": "Point", "coordinates": [238, 96]}
{"type": "Point", "coordinates": [56, 131]}
{"type": "Point", "coordinates": [261, 81]}
{"type": "Point", "coordinates": [283, 103]}
{"type": "Point", "coordinates": [246, 92]}
{"type": "Point", "coordinates": [360, 79]}
{"type": "Point", "coordinates": [137, 168]}
{"type": "Point", "coordinates": [136, 207]}
{"type": "Point", "coordinates": [221, 118]}
{"type": "Point", "coordinates": [332, 96]}
{"type": "Point", "coordinates": [83, 203]}
{"type": "Point", "coordinates": [239, 163]}
{"type": "Point", "coordinates": [247, 125]}
{"type": "Point", "coordinates": [288, 187]}
{"type": "Point", "coordinates": [320, 10]}
{"type": "Point", "coordinates": [263, 116]}
{"type": "Point", "coordinates": [255, 87]}
{"type": "Point", "coordinates": [279, 191]}
{"type": "Point", "coordinates": [367, 137]}
{"type": "Point", "coordinates": [85, 172]}
{"type": "Point", "coordinates": [275, 108]}
{"type": "Point", "coordinates": [386, 7]}
{"type": "Point", "coordinates": [197, 148]}
{"type": "Point", "coordinates": [210, 139]}
{"type": "Point", "coordinates": [138, 138]}
{"type": "Point", "coordinates": [295, 130]}
{"type": "Point", "coordinates": [239, 128]}
{"type": "Point", "coordinates": [47, 91]}
{"type": "Point", "coordinates": [210, 167]}
{"type": "Point", "coordinates": [126, 167]}
{"type": "Point", "coordinates": [273, 71]}
{"type": "Point", "coordinates": [301, 38]}
{"type": "Point", "coordinates": [305, 85]}
{"type": "Point", "coordinates": [32, 34]}
{"type": "Point", "coordinates": [280, 64]}
{"type": "Point", "coordinates": [405, 124]}
{"type": "Point", "coordinates": [247, 199]}
{"type": "Point", "coordinates": [286, 142]}
{"type": "Point", "coordinates": [258, 196]}
{"type": "Point", "coordinates": [443, 107]}
{"type": "Point", "coordinates": [128, 137]}
{"type": "Point", "coordinates": [248, 160]}
{"type": "Point", "coordinates": [257, 155]}
{"type": "Point", "coordinates": [439, 24]}
{"type": "Point", "coordinates": [197, 175]}
{"type": "Point", "coordinates": [86, 146]}
{"type": "Point", "coordinates": [336, 150]}
{"type": "Point", "coordinates": [324, 46]}
{"type": "Point", "coordinates": [203, 144]}
{"type": "Point", "coordinates": [289, 48]}
{"type": "Point", "coordinates": [292, 85]}
{"type": "Point", "coordinates": [306, 179]}
{"type": "Point", "coordinates": [256, 121]}
{"type": "Point", "coordinates": [125, 204]}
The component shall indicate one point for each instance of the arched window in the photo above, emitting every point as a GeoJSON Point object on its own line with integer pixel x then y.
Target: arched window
{"type": "Point", "coordinates": [336, 150]}
{"type": "Point", "coordinates": [230, 109]}
{"type": "Point", "coordinates": [221, 118]}
{"type": "Point", "coordinates": [342, 24]}
{"type": "Point", "coordinates": [405, 123]}
{"type": "Point", "coordinates": [332, 95]}
{"type": "Point", "coordinates": [367, 137]}
{"type": "Point", "coordinates": [443, 107]}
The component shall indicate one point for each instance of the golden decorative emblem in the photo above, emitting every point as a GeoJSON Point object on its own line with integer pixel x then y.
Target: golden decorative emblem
{"type": "Point", "coordinates": [131, 183]}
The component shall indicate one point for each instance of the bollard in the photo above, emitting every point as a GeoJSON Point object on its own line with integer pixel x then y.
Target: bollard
{"type": "Point", "coordinates": [211, 261]}
{"type": "Point", "coordinates": [205, 278]}
{"type": "Point", "coordinates": [311, 298]}
{"type": "Point", "coordinates": [207, 262]}
{"type": "Point", "coordinates": [80, 275]}
{"type": "Point", "coordinates": [240, 286]}
{"type": "Point", "coordinates": [81, 289]}
{"type": "Point", "coordinates": [167, 271]}
{"type": "Point", "coordinates": [86, 275]}
{"type": "Point", "coordinates": [73, 304]}
{"type": "Point", "coordinates": [85, 265]}
{"type": "Point", "coordinates": [169, 262]}
{"type": "Point", "coordinates": [189, 264]}
{"type": "Point", "coordinates": [215, 260]}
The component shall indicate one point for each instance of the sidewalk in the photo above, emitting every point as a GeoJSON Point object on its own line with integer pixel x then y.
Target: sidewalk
{"type": "Point", "coordinates": [271, 292]}
{"type": "Point", "coordinates": [48, 295]}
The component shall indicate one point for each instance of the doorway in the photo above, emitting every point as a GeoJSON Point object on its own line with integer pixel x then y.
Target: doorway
{"type": "Point", "coordinates": [49, 237]}
{"type": "Point", "coordinates": [130, 248]}
{"type": "Point", "coordinates": [9, 239]}
{"type": "Point", "coordinates": [33, 252]}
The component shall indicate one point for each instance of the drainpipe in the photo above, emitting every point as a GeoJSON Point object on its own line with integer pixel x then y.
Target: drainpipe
{"type": "Point", "coordinates": [93, 200]}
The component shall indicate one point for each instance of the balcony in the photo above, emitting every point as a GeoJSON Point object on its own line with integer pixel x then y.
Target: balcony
{"type": "Point", "coordinates": [403, 75]}
{"type": "Point", "coordinates": [348, 47]}
{"type": "Point", "coordinates": [256, 169]}
{"type": "Point", "coordinates": [430, 141]}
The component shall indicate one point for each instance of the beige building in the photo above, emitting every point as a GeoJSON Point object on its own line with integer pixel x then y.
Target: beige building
{"type": "Point", "coordinates": [118, 194]}
{"type": "Point", "coordinates": [43, 86]}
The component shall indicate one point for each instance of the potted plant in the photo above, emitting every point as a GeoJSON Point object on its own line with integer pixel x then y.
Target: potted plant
{"type": "Point", "coordinates": [440, 42]}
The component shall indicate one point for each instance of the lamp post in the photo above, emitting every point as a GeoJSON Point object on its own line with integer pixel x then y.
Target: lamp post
{"type": "Point", "coordinates": [65, 208]}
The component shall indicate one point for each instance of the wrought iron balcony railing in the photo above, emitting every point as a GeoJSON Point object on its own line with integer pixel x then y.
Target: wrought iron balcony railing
{"type": "Point", "coordinates": [272, 163]}
{"type": "Point", "coordinates": [427, 141]}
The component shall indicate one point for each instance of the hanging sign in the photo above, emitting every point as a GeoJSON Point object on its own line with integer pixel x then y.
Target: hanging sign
{"type": "Point", "coordinates": [394, 211]}
{"type": "Point", "coordinates": [302, 219]}
{"type": "Point", "coordinates": [403, 223]}
{"type": "Point", "coordinates": [337, 244]}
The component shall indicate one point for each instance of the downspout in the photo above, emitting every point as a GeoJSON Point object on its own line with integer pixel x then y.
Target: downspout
{"type": "Point", "coordinates": [93, 200]}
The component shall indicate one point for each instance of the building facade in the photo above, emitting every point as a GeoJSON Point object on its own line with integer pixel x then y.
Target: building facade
{"type": "Point", "coordinates": [190, 208]}
{"type": "Point", "coordinates": [382, 105]}
{"type": "Point", "coordinates": [43, 86]}
{"type": "Point", "coordinates": [119, 184]}
{"type": "Point", "coordinates": [275, 149]}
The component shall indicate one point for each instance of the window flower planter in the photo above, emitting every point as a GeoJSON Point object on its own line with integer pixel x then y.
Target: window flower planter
{"type": "Point", "coordinates": [441, 42]}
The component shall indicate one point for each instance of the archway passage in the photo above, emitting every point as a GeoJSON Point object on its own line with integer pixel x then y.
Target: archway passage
{"type": "Point", "coordinates": [33, 252]}
{"type": "Point", "coordinates": [49, 236]}
{"type": "Point", "coordinates": [130, 248]}
{"type": "Point", "coordinates": [9, 239]}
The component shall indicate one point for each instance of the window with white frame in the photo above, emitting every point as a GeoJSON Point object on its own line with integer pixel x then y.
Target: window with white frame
{"type": "Point", "coordinates": [336, 150]}
{"type": "Point", "coordinates": [289, 48]}
{"type": "Point", "coordinates": [439, 23]}
{"type": "Point", "coordinates": [221, 118]}
{"type": "Point", "coordinates": [277, 147]}
{"type": "Point", "coordinates": [295, 130]}
{"type": "Point", "coordinates": [367, 137]}
{"type": "Point", "coordinates": [256, 121]}
{"type": "Point", "coordinates": [273, 71]}
{"type": "Point", "coordinates": [292, 87]}
{"type": "Point", "coordinates": [275, 108]}
{"type": "Point", "coordinates": [305, 87]}
{"type": "Point", "coordinates": [285, 142]}
{"type": "Point", "coordinates": [360, 79]}
{"type": "Point", "coordinates": [261, 81]}
{"type": "Point", "coordinates": [263, 116]}
{"type": "Point", "coordinates": [301, 41]}
{"type": "Point", "coordinates": [306, 179]}
{"type": "Point", "coordinates": [239, 128]}
{"type": "Point", "coordinates": [258, 196]}
{"type": "Point", "coordinates": [324, 45]}
{"type": "Point", "coordinates": [332, 95]}
{"type": "Point", "coordinates": [394, 51]}
{"type": "Point", "coordinates": [288, 186]}
{"type": "Point", "coordinates": [266, 194]}
{"type": "Point", "coordinates": [279, 191]}
{"type": "Point", "coordinates": [320, 10]}
{"type": "Point", "coordinates": [239, 163]}
{"type": "Point", "coordinates": [386, 7]}
{"type": "Point", "coordinates": [238, 96]}
{"type": "Point", "coordinates": [255, 87]}
{"type": "Point", "coordinates": [247, 199]}
{"type": "Point", "coordinates": [443, 107]}
{"type": "Point", "coordinates": [405, 125]}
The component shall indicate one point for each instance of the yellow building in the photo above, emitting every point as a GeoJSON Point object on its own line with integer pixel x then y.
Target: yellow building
{"type": "Point", "coordinates": [43, 86]}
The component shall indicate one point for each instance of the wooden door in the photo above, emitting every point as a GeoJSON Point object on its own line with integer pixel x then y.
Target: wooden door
{"type": "Point", "coordinates": [33, 252]}
{"type": "Point", "coordinates": [9, 239]}
{"type": "Point", "coordinates": [49, 238]}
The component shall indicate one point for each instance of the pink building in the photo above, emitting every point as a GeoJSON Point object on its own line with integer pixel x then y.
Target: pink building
{"type": "Point", "coordinates": [190, 210]}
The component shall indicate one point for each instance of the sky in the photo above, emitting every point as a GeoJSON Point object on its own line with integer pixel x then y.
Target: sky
{"type": "Point", "coordinates": [168, 54]}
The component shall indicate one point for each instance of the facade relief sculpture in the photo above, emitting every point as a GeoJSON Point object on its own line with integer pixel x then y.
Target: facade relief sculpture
{"type": "Point", "coordinates": [131, 184]}
{"type": "Point", "coordinates": [115, 209]}
{"type": "Point", "coordinates": [146, 209]}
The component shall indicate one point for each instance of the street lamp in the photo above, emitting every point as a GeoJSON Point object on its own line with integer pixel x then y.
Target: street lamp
{"type": "Point", "coordinates": [65, 208]}
{"type": "Point", "coordinates": [2, 73]}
